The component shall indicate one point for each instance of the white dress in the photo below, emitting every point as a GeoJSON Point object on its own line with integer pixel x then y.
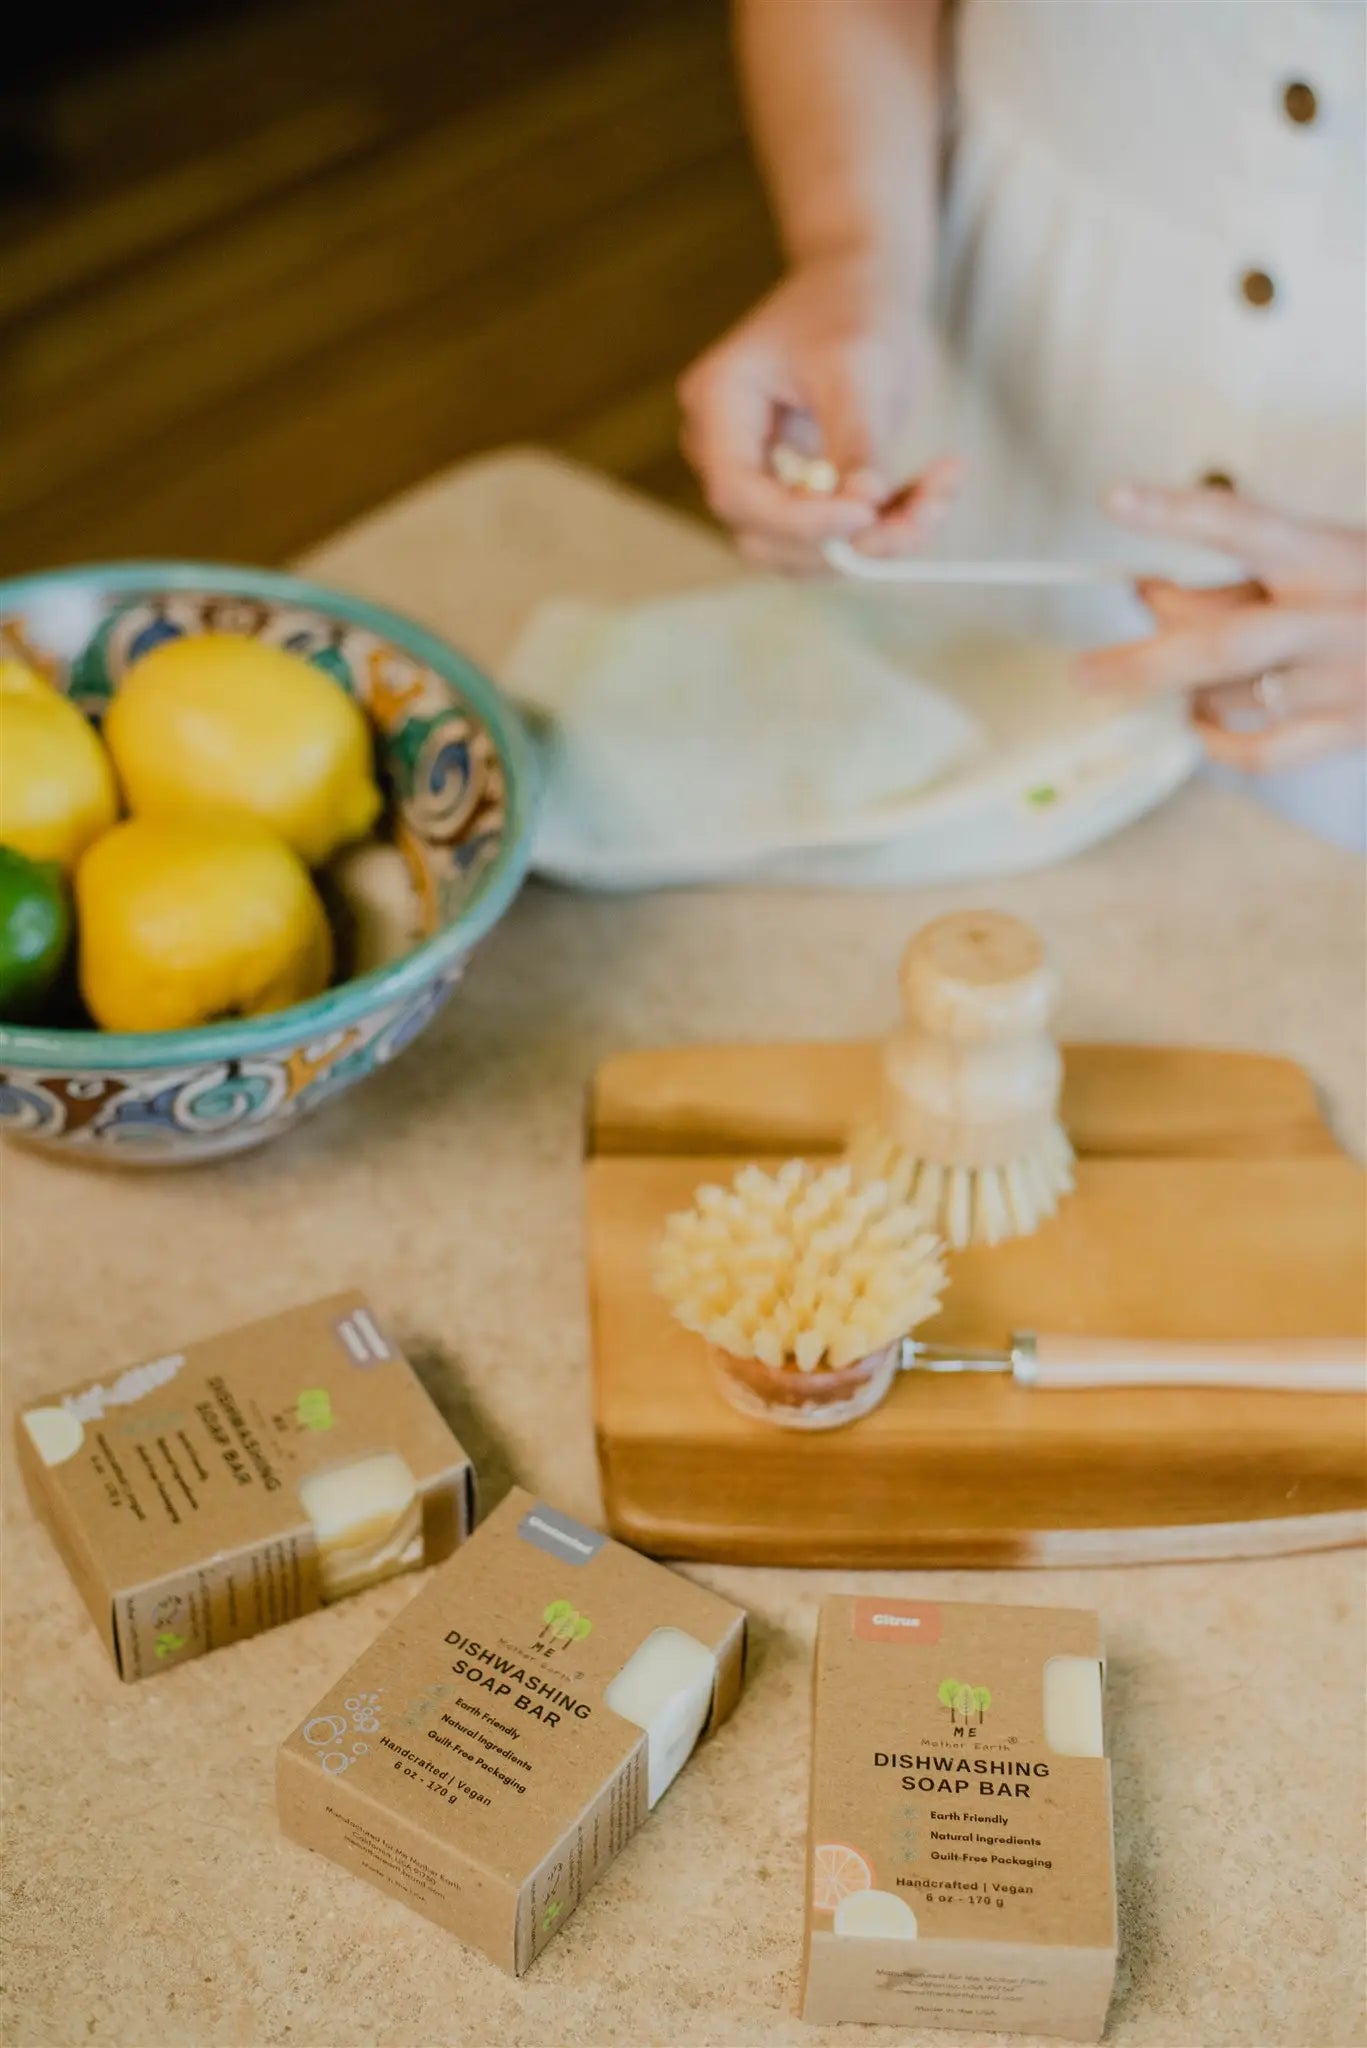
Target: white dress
{"type": "Point", "coordinates": [1153, 268]}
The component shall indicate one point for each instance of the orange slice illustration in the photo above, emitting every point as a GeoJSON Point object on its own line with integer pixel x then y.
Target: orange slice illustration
{"type": "Point", "coordinates": [837, 1870]}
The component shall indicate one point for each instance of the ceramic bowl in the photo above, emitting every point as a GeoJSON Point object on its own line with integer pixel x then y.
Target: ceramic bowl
{"type": "Point", "coordinates": [457, 772]}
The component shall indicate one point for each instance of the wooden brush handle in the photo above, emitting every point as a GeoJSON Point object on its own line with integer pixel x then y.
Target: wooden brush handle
{"type": "Point", "coordinates": [972, 1076]}
{"type": "Point", "coordinates": [1292, 1365]}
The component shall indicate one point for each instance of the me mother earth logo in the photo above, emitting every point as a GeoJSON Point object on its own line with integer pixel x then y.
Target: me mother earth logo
{"type": "Point", "coordinates": [966, 1703]}
{"type": "Point", "coordinates": [561, 1624]}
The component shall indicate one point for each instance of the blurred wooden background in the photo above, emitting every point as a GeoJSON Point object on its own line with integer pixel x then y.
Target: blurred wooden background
{"type": "Point", "coordinates": [289, 257]}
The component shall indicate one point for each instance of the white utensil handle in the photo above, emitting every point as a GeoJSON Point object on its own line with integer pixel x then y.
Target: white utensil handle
{"type": "Point", "coordinates": [1292, 1365]}
{"type": "Point", "coordinates": [849, 561]}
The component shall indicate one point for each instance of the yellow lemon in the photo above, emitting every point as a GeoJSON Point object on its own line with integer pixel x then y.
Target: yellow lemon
{"type": "Point", "coordinates": [223, 721]}
{"type": "Point", "coordinates": [56, 786]}
{"type": "Point", "coordinates": [184, 922]}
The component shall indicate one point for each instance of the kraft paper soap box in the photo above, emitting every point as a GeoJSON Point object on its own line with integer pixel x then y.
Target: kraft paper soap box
{"type": "Point", "coordinates": [959, 1862]}
{"type": "Point", "coordinates": [489, 1754]}
{"type": "Point", "coordinates": [203, 1496]}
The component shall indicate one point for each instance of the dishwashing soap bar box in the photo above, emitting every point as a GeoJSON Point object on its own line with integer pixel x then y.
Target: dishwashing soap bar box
{"type": "Point", "coordinates": [960, 1870]}
{"type": "Point", "coordinates": [206, 1495]}
{"type": "Point", "coordinates": [489, 1754]}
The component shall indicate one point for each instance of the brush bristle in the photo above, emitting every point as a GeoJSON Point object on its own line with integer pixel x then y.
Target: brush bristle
{"type": "Point", "coordinates": [799, 1268]}
{"type": "Point", "coordinates": [971, 1204]}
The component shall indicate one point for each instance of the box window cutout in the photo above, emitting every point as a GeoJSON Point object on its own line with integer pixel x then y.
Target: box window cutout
{"type": "Point", "coordinates": [367, 1521]}
{"type": "Point", "coordinates": [875, 1915]}
{"type": "Point", "coordinates": [1072, 1706]}
{"type": "Point", "coordinates": [56, 1433]}
{"type": "Point", "coordinates": [665, 1687]}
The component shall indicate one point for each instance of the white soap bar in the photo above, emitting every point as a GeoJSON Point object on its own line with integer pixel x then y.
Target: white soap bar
{"type": "Point", "coordinates": [367, 1519]}
{"type": "Point", "coordinates": [875, 1915]}
{"type": "Point", "coordinates": [666, 1688]}
{"type": "Point", "coordinates": [1072, 1706]}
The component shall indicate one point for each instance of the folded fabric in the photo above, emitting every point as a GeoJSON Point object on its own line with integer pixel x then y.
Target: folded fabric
{"type": "Point", "coordinates": [697, 737]}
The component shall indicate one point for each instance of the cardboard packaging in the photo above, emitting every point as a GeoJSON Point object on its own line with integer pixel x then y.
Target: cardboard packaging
{"type": "Point", "coordinates": [494, 1748]}
{"type": "Point", "coordinates": [199, 1498]}
{"type": "Point", "coordinates": [960, 1870]}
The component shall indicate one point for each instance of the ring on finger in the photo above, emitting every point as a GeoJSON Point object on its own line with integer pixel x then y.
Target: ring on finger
{"type": "Point", "coordinates": [1269, 694]}
{"type": "Point", "coordinates": [1255, 706]}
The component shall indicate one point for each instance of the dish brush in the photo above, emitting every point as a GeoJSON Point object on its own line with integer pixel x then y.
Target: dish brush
{"type": "Point", "coordinates": [968, 1130]}
{"type": "Point", "coordinates": [802, 1270]}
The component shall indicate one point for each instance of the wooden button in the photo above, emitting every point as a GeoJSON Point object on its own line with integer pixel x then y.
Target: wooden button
{"type": "Point", "coordinates": [1258, 288]}
{"type": "Point", "coordinates": [1300, 103]}
{"type": "Point", "coordinates": [1217, 480]}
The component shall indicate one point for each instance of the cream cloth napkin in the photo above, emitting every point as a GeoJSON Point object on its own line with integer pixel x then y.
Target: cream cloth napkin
{"type": "Point", "coordinates": [694, 738]}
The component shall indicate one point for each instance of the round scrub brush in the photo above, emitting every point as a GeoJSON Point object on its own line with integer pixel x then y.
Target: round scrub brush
{"type": "Point", "coordinates": [968, 1128]}
{"type": "Point", "coordinates": [804, 1285]}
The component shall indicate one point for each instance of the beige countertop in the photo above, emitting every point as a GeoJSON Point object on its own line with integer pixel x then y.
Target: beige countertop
{"type": "Point", "coordinates": [151, 1899]}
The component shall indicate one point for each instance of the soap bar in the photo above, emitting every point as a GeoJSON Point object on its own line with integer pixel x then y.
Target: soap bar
{"type": "Point", "coordinates": [1072, 1706]}
{"type": "Point", "coordinates": [666, 1688]}
{"type": "Point", "coordinates": [959, 1866]}
{"type": "Point", "coordinates": [366, 1518]}
{"type": "Point", "coordinates": [488, 1755]}
{"type": "Point", "coordinates": [199, 1497]}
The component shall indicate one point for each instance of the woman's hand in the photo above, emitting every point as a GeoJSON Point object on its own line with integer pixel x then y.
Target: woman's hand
{"type": "Point", "coordinates": [1276, 666]}
{"type": "Point", "coordinates": [827, 361]}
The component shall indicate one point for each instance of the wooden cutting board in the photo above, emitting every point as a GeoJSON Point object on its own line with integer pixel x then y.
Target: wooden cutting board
{"type": "Point", "coordinates": [1212, 1201]}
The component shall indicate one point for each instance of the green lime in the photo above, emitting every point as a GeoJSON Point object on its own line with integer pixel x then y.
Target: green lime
{"type": "Point", "coordinates": [35, 931]}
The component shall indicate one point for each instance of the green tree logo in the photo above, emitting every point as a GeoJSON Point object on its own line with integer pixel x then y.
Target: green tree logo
{"type": "Point", "coordinates": [313, 1409]}
{"type": "Point", "coordinates": [168, 1642]}
{"type": "Point", "coordinates": [966, 1703]}
{"type": "Point", "coordinates": [560, 1624]}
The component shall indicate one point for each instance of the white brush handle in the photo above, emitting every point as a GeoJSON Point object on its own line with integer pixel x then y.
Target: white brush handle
{"type": "Point", "coordinates": [850, 561]}
{"type": "Point", "coordinates": [1292, 1365]}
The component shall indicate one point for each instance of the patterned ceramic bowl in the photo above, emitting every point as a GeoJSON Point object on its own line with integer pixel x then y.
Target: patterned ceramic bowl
{"type": "Point", "coordinates": [459, 778]}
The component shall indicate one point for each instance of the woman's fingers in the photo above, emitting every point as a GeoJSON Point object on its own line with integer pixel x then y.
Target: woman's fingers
{"type": "Point", "coordinates": [1178, 604]}
{"type": "Point", "coordinates": [839, 399]}
{"type": "Point", "coordinates": [1335, 688]}
{"type": "Point", "coordinates": [1230, 646]}
{"type": "Point", "coordinates": [1283, 719]}
{"type": "Point", "coordinates": [907, 521]}
{"type": "Point", "coordinates": [780, 527]}
{"type": "Point", "coordinates": [1289, 744]}
{"type": "Point", "coordinates": [1210, 518]}
{"type": "Point", "coordinates": [1289, 553]}
{"type": "Point", "coordinates": [841, 408]}
{"type": "Point", "coordinates": [752, 500]}
{"type": "Point", "coordinates": [730, 403]}
{"type": "Point", "coordinates": [856, 389]}
{"type": "Point", "coordinates": [939, 480]}
{"type": "Point", "coordinates": [784, 557]}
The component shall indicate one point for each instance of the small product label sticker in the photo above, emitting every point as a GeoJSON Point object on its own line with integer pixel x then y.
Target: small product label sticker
{"type": "Point", "coordinates": [896, 1621]}
{"type": "Point", "coordinates": [559, 1535]}
{"type": "Point", "coordinates": [361, 1338]}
